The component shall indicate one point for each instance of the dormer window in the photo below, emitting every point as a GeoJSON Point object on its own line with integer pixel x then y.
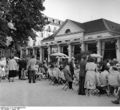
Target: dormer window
{"type": "Point", "coordinates": [53, 20]}
{"type": "Point", "coordinates": [67, 31]}
{"type": "Point", "coordinates": [59, 23]}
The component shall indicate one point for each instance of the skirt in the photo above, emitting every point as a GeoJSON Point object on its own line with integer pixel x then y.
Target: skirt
{"type": "Point", "coordinates": [12, 73]}
{"type": "Point", "coordinates": [90, 80]}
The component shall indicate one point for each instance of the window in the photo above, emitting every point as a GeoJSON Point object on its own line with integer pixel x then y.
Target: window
{"type": "Point", "coordinates": [67, 31]}
{"type": "Point", "coordinates": [53, 20]}
{"type": "Point", "coordinates": [59, 22]}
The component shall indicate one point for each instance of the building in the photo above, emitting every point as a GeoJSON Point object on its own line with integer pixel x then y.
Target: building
{"type": "Point", "coordinates": [48, 30]}
{"type": "Point", "coordinates": [98, 36]}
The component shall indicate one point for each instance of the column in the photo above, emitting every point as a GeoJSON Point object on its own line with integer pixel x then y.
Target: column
{"type": "Point", "coordinates": [86, 47]}
{"type": "Point", "coordinates": [99, 49]}
{"type": "Point", "coordinates": [82, 46]}
{"type": "Point", "coordinates": [33, 51]}
{"type": "Point", "coordinates": [48, 53]}
{"type": "Point", "coordinates": [118, 49]}
{"type": "Point", "coordinates": [70, 51]}
{"type": "Point", "coordinates": [58, 48]}
{"type": "Point", "coordinates": [26, 51]}
{"type": "Point", "coordinates": [41, 54]}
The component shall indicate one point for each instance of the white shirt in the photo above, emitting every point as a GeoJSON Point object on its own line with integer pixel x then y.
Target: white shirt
{"type": "Point", "coordinates": [104, 78]}
{"type": "Point", "coordinates": [114, 78]}
{"type": "Point", "coordinates": [12, 64]}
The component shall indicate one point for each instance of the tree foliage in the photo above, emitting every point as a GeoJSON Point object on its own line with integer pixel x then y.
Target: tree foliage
{"type": "Point", "coordinates": [25, 15]}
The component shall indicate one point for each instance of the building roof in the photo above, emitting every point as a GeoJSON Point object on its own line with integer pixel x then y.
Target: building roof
{"type": "Point", "coordinates": [101, 25]}
{"type": "Point", "coordinates": [98, 25]}
{"type": "Point", "coordinates": [49, 38]}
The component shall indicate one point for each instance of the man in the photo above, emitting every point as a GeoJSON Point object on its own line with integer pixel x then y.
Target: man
{"type": "Point", "coordinates": [71, 64]}
{"type": "Point", "coordinates": [82, 73]}
{"type": "Point", "coordinates": [31, 68]}
{"type": "Point", "coordinates": [22, 67]}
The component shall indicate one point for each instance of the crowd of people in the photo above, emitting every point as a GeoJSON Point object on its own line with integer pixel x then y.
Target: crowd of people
{"type": "Point", "coordinates": [91, 77]}
{"type": "Point", "coordinates": [102, 78]}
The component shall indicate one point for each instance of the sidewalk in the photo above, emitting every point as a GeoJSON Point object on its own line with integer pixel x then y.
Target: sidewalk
{"type": "Point", "coordinates": [21, 93]}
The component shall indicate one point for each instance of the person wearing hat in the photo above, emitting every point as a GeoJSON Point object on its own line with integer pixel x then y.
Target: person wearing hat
{"type": "Point", "coordinates": [31, 67]}
{"type": "Point", "coordinates": [90, 77]}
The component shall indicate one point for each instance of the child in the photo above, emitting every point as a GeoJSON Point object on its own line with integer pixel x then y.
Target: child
{"type": "Point", "coordinates": [113, 79]}
{"type": "Point", "coordinates": [103, 81]}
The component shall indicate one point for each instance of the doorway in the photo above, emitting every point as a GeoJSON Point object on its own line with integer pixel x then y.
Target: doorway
{"type": "Point", "coordinates": [92, 48]}
{"type": "Point", "coordinates": [65, 49]}
{"type": "Point", "coordinates": [45, 54]}
{"type": "Point", "coordinates": [110, 50]}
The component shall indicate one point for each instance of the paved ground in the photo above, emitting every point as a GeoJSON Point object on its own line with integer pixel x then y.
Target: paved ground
{"type": "Point", "coordinates": [21, 93]}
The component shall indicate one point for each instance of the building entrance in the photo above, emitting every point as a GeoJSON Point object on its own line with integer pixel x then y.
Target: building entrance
{"type": "Point", "coordinates": [92, 48]}
{"type": "Point", "coordinates": [37, 53]}
{"type": "Point", "coordinates": [77, 49]}
{"type": "Point", "coordinates": [30, 51]}
{"type": "Point", "coordinates": [45, 56]}
{"type": "Point", "coordinates": [110, 50]}
{"type": "Point", "coordinates": [65, 50]}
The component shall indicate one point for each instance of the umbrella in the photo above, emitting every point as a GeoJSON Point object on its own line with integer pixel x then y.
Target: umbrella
{"type": "Point", "coordinates": [64, 57]}
{"type": "Point", "coordinates": [59, 54]}
{"type": "Point", "coordinates": [96, 55]}
{"type": "Point", "coordinates": [16, 58]}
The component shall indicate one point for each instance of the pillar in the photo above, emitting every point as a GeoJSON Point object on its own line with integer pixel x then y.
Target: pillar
{"type": "Point", "coordinates": [82, 46]}
{"type": "Point", "coordinates": [33, 51]}
{"type": "Point", "coordinates": [118, 49]}
{"type": "Point", "coordinates": [41, 54]}
{"type": "Point", "coordinates": [58, 48]}
{"type": "Point", "coordinates": [99, 49]}
{"type": "Point", "coordinates": [73, 49]}
{"type": "Point", "coordinates": [70, 51]}
{"type": "Point", "coordinates": [26, 51]}
{"type": "Point", "coordinates": [48, 53]}
{"type": "Point", "coordinates": [86, 47]}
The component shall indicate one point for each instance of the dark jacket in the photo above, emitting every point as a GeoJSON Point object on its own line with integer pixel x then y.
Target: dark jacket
{"type": "Point", "coordinates": [67, 75]}
{"type": "Point", "coordinates": [82, 68]}
{"type": "Point", "coordinates": [71, 68]}
{"type": "Point", "coordinates": [22, 64]}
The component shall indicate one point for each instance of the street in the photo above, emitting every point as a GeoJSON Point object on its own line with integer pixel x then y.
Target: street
{"type": "Point", "coordinates": [41, 93]}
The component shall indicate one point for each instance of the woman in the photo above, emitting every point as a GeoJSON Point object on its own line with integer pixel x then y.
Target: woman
{"type": "Point", "coordinates": [56, 74]}
{"type": "Point", "coordinates": [67, 75]}
{"type": "Point", "coordinates": [13, 67]}
{"type": "Point", "coordinates": [90, 78]}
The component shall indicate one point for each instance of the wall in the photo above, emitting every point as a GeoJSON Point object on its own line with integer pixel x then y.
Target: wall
{"type": "Point", "coordinates": [69, 25]}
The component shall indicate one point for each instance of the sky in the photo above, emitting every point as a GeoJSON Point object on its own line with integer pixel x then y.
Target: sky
{"type": "Point", "coordinates": [83, 10]}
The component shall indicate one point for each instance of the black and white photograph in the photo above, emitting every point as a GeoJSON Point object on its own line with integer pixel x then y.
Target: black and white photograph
{"type": "Point", "coordinates": [59, 53]}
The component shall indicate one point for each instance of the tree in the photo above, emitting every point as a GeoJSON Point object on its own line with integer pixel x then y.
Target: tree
{"type": "Point", "coordinates": [25, 16]}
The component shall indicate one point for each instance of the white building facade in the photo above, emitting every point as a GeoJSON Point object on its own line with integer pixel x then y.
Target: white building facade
{"type": "Point", "coordinates": [99, 36]}
{"type": "Point", "coordinates": [48, 30]}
